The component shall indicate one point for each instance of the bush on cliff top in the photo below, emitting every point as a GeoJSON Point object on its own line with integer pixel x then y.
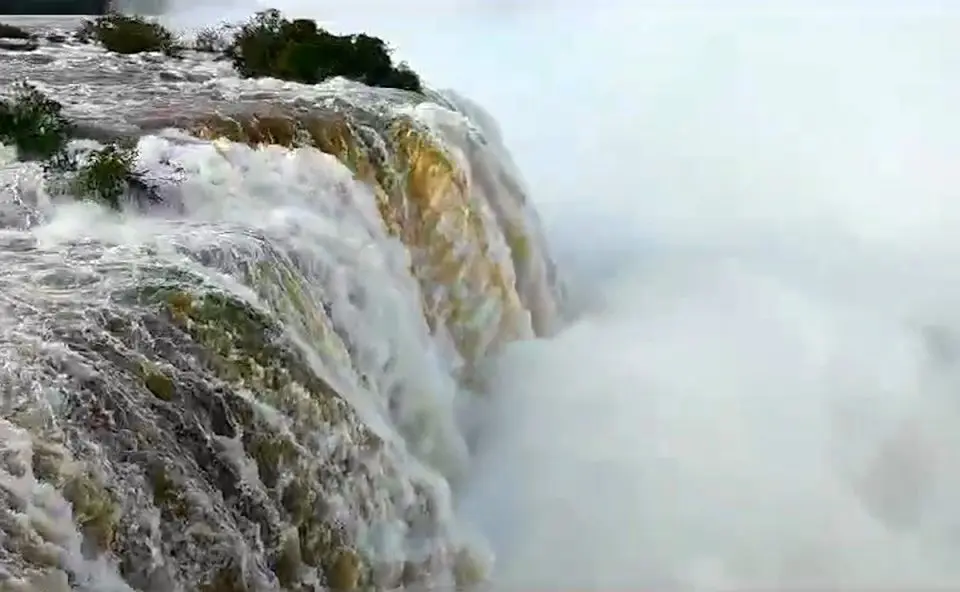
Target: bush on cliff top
{"type": "Point", "coordinates": [36, 126]}
{"type": "Point", "coordinates": [126, 34]}
{"type": "Point", "coordinates": [12, 32]}
{"type": "Point", "coordinates": [300, 51]}
{"type": "Point", "coordinates": [267, 45]}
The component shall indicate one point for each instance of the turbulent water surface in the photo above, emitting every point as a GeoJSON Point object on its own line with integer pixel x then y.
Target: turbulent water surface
{"type": "Point", "coordinates": [292, 379]}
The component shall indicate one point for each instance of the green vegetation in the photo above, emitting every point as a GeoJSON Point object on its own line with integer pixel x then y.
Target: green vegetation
{"type": "Point", "coordinates": [36, 126]}
{"type": "Point", "coordinates": [107, 175]}
{"type": "Point", "coordinates": [128, 34]}
{"type": "Point", "coordinates": [298, 50]}
{"type": "Point", "coordinates": [267, 45]}
{"type": "Point", "coordinates": [12, 32]}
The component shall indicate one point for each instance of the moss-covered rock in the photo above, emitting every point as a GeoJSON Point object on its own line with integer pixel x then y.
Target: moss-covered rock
{"type": "Point", "coordinates": [158, 383]}
{"type": "Point", "coordinates": [245, 348]}
{"type": "Point", "coordinates": [427, 201]}
{"type": "Point", "coordinates": [94, 510]}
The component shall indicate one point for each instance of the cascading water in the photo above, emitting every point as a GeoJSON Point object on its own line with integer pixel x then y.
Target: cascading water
{"type": "Point", "coordinates": [256, 385]}
{"type": "Point", "coordinates": [759, 390]}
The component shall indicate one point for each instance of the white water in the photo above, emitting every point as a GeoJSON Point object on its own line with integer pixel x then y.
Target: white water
{"type": "Point", "coordinates": [758, 215]}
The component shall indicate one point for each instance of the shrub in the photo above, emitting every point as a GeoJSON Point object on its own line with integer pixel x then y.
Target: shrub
{"type": "Point", "coordinates": [37, 127]}
{"type": "Point", "coordinates": [298, 50]}
{"type": "Point", "coordinates": [11, 32]}
{"type": "Point", "coordinates": [107, 175]}
{"type": "Point", "coordinates": [210, 40]}
{"type": "Point", "coordinates": [34, 124]}
{"type": "Point", "coordinates": [126, 34]}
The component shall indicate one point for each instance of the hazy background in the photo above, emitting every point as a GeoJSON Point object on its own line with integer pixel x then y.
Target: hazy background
{"type": "Point", "coordinates": [758, 212]}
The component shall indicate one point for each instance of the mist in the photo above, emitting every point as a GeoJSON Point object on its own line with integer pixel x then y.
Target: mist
{"type": "Point", "coordinates": [755, 210]}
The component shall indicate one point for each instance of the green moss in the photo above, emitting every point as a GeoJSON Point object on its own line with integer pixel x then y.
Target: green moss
{"type": "Point", "coordinates": [467, 570]}
{"type": "Point", "coordinates": [343, 572]}
{"type": "Point", "coordinates": [288, 563]}
{"type": "Point", "coordinates": [47, 461]}
{"type": "Point", "coordinates": [285, 289]}
{"type": "Point", "coordinates": [519, 244]}
{"type": "Point", "coordinates": [168, 495]}
{"type": "Point", "coordinates": [226, 579]}
{"type": "Point", "coordinates": [272, 453]}
{"type": "Point", "coordinates": [245, 346]}
{"type": "Point", "coordinates": [297, 499]}
{"type": "Point", "coordinates": [158, 383]}
{"type": "Point", "coordinates": [94, 510]}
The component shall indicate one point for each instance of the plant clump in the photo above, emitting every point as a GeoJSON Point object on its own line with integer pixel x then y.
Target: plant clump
{"type": "Point", "coordinates": [13, 32]}
{"type": "Point", "coordinates": [128, 34]}
{"type": "Point", "coordinates": [300, 51]}
{"type": "Point", "coordinates": [108, 174]}
{"type": "Point", "coordinates": [36, 126]}
{"type": "Point", "coordinates": [210, 40]}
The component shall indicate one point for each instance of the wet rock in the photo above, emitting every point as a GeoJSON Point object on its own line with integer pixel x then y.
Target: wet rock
{"type": "Point", "coordinates": [18, 45]}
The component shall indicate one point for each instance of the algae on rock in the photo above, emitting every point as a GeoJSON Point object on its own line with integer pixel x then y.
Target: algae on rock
{"type": "Point", "coordinates": [425, 199]}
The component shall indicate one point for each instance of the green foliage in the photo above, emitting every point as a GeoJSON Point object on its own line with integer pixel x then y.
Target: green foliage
{"type": "Point", "coordinates": [108, 175]}
{"type": "Point", "coordinates": [128, 34]}
{"type": "Point", "coordinates": [34, 124]}
{"type": "Point", "coordinates": [12, 32]}
{"type": "Point", "coordinates": [298, 50]}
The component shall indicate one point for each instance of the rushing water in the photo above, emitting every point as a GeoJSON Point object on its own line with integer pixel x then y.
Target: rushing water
{"type": "Point", "coordinates": [756, 210]}
{"type": "Point", "coordinates": [256, 386]}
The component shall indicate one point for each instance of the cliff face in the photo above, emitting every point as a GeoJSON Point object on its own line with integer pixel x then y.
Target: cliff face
{"type": "Point", "coordinates": [258, 392]}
